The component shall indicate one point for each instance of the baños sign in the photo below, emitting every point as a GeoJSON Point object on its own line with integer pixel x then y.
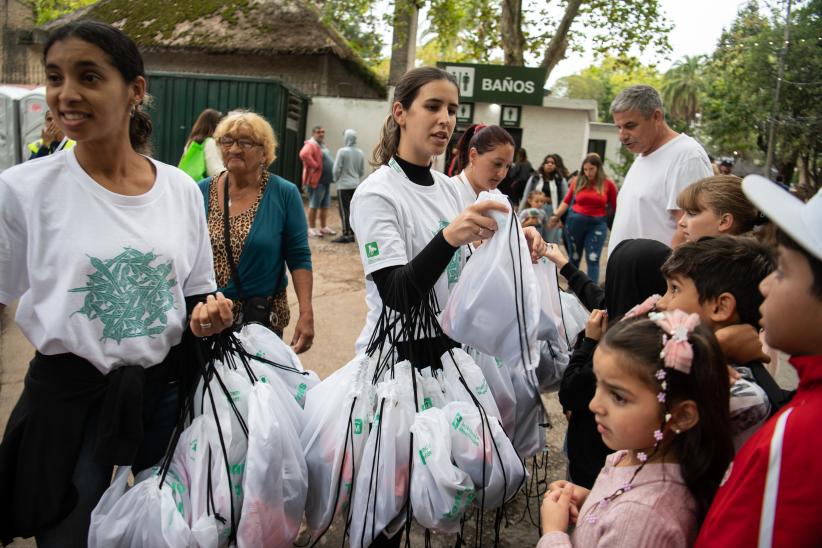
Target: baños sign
{"type": "Point", "coordinates": [498, 83]}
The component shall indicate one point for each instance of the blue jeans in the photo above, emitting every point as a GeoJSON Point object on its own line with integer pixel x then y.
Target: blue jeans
{"type": "Point", "coordinates": [92, 479]}
{"type": "Point", "coordinates": [586, 235]}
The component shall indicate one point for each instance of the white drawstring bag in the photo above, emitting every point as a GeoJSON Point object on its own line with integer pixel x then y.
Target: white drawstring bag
{"type": "Point", "coordinates": [499, 381]}
{"type": "Point", "coordinates": [574, 315]}
{"type": "Point", "coordinates": [177, 480]}
{"type": "Point", "coordinates": [494, 307]}
{"type": "Point", "coordinates": [440, 492]}
{"type": "Point", "coordinates": [200, 450]}
{"type": "Point", "coordinates": [235, 389]}
{"type": "Point", "coordinates": [275, 483]}
{"type": "Point", "coordinates": [336, 428]}
{"type": "Point", "coordinates": [433, 394]}
{"type": "Point", "coordinates": [484, 453]}
{"type": "Point", "coordinates": [145, 516]}
{"type": "Point", "coordinates": [290, 406]}
{"type": "Point", "coordinates": [455, 364]}
{"type": "Point", "coordinates": [381, 487]}
{"type": "Point", "coordinates": [550, 318]}
{"type": "Point", "coordinates": [260, 341]}
{"type": "Point", "coordinates": [529, 437]}
{"type": "Point", "coordinates": [552, 364]}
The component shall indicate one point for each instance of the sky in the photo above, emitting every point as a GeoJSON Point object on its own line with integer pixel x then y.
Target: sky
{"type": "Point", "coordinates": [697, 27]}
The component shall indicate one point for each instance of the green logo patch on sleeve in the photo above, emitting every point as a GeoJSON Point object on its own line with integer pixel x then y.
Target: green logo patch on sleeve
{"type": "Point", "coordinates": [372, 250]}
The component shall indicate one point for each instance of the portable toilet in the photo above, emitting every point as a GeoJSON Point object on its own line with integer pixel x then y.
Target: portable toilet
{"type": "Point", "coordinates": [31, 111]}
{"type": "Point", "coordinates": [9, 125]}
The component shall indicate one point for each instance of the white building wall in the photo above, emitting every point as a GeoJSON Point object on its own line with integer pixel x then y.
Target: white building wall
{"type": "Point", "coordinates": [336, 114]}
{"type": "Point", "coordinates": [610, 134]}
{"type": "Point", "coordinates": [561, 127]}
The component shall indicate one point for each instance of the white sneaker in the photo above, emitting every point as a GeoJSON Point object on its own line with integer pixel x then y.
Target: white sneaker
{"type": "Point", "coordinates": [314, 233]}
{"type": "Point", "coordinates": [328, 231]}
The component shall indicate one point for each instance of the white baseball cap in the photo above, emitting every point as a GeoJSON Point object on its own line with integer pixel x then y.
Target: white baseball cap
{"type": "Point", "coordinates": [801, 221]}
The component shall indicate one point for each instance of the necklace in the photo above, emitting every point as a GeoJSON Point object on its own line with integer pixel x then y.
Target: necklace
{"type": "Point", "coordinates": [263, 180]}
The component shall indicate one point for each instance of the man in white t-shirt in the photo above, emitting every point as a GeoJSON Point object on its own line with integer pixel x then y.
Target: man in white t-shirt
{"type": "Point", "coordinates": [666, 163]}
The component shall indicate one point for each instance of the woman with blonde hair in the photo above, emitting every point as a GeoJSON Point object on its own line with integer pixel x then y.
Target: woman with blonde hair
{"type": "Point", "coordinates": [588, 198]}
{"type": "Point", "coordinates": [257, 228]}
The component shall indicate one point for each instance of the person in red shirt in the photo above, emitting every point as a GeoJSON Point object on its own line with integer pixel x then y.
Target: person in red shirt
{"type": "Point", "coordinates": [770, 494]}
{"type": "Point", "coordinates": [586, 227]}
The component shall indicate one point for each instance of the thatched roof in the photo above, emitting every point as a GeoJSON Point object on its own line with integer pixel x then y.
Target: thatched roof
{"type": "Point", "coordinates": [261, 27]}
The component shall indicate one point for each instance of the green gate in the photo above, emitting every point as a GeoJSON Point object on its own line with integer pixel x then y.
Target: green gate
{"type": "Point", "coordinates": [179, 98]}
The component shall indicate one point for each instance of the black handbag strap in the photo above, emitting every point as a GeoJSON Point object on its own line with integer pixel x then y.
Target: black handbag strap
{"type": "Point", "coordinates": [227, 240]}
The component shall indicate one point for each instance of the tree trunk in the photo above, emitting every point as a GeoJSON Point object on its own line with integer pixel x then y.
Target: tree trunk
{"type": "Point", "coordinates": [403, 40]}
{"type": "Point", "coordinates": [559, 43]}
{"type": "Point", "coordinates": [513, 40]}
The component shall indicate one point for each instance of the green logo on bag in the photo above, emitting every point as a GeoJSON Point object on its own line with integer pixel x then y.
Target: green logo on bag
{"type": "Point", "coordinates": [263, 380]}
{"type": "Point", "coordinates": [463, 429]}
{"type": "Point", "coordinates": [425, 452]}
{"type": "Point", "coordinates": [426, 403]}
{"type": "Point", "coordinates": [483, 388]}
{"type": "Point", "coordinates": [499, 363]}
{"type": "Point", "coordinates": [358, 426]}
{"type": "Point", "coordinates": [237, 468]}
{"type": "Point", "coordinates": [462, 499]}
{"type": "Point", "coordinates": [372, 250]}
{"type": "Point", "coordinates": [194, 446]}
{"type": "Point", "coordinates": [235, 395]}
{"type": "Point", "coordinates": [301, 390]}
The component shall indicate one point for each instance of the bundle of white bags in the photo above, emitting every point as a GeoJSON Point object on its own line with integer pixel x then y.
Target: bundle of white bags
{"type": "Point", "coordinates": [494, 307]}
{"type": "Point", "coordinates": [237, 474]}
{"type": "Point", "coordinates": [363, 465]}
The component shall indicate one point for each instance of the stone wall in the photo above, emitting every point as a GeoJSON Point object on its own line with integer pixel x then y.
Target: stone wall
{"type": "Point", "coordinates": [19, 61]}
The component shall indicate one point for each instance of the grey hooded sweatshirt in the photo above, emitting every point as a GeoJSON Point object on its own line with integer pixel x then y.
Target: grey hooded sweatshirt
{"type": "Point", "coordinates": [349, 166]}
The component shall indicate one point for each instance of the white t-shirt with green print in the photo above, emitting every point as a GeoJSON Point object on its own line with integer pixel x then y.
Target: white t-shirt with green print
{"type": "Point", "coordinates": [101, 275]}
{"type": "Point", "coordinates": [393, 220]}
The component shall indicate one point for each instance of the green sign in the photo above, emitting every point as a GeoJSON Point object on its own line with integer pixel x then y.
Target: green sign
{"type": "Point", "coordinates": [498, 83]}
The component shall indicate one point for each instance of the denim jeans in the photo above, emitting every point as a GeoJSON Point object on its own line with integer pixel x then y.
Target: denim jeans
{"type": "Point", "coordinates": [92, 479]}
{"type": "Point", "coordinates": [586, 236]}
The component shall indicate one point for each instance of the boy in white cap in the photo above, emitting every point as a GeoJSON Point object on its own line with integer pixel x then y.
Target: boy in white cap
{"type": "Point", "coordinates": [770, 495]}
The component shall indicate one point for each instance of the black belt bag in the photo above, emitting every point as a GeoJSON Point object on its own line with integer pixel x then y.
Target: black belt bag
{"type": "Point", "coordinates": [257, 308]}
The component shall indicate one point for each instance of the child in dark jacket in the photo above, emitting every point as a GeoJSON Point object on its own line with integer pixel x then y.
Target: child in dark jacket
{"type": "Point", "coordinates": [631, 276]}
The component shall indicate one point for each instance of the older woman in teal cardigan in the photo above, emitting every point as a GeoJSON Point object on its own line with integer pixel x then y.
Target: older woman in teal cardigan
{"type": "Point", "coordinates": [266, 228]}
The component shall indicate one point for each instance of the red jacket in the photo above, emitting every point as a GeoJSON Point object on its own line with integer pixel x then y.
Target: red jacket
{"type": "Point", "coordinates": [773, 493]}
{"type": "Point", "coordinates": [311, 156]}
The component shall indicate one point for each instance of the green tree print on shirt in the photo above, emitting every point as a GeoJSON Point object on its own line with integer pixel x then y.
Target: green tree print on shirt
{"type": "Point", "coordinates": [128, 295]}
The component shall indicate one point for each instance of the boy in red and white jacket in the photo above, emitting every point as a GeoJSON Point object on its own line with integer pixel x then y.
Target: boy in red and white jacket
{"type": "Point", "coordinates": [771, 494]}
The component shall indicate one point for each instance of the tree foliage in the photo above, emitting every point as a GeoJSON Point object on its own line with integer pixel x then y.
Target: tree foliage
{"type": "Point", "coordinates": [542, 32]}
{"type": "Point", "coordinates": [48, 10]}
{"type": "Point", "coordinates": [358, 22]}
{"type": "Point", "coordinates": [604, 81]}
{"type": "Point", "coordinates": [682, 90]}
{"type": "Point", "coordinates": [739, 89]}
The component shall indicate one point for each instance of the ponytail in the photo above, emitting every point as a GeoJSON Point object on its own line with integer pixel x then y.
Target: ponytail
{"type": "Point", "coordinates": [388, 144]}
{"type": "Point", "coordinates": [139, 131]}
